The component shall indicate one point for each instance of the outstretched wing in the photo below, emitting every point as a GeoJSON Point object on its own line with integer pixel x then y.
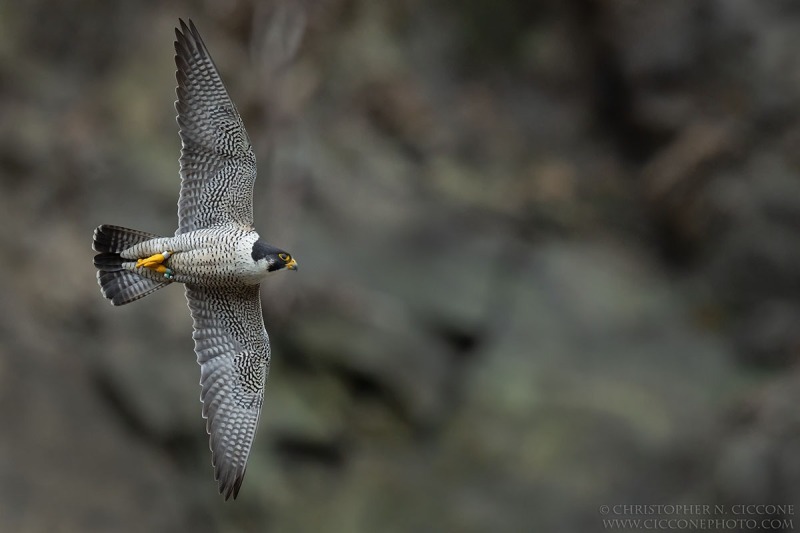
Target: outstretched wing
{"type": "Point", "coordinates": [232, 348]}
{"type": "Point", "coordinates": [218, 167]}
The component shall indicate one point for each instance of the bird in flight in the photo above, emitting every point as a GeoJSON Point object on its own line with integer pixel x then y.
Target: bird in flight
{"type": "Point", "coordinates": [216, 253]}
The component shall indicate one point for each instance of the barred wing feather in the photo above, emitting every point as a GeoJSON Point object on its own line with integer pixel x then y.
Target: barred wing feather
{"type": "Point", "coordinates": [218, 167]}
{"type": "Point", "coordinates": [233, 351]}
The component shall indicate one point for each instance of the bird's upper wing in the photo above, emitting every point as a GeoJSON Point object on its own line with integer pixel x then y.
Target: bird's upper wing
{"type": "Point", "coordinates": [218, 167]}
{"type": "Point", "coordinates": [233, 351]}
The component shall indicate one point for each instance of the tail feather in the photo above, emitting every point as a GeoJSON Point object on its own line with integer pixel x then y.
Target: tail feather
{"type": "Point", "coordinates": [108, 262]}
{"type": "Point", "coordinates": [124, 286]}
{"type": "Point", "coordinates": [118, 284]}
{"type": "Point", "coordinates": [114, 239]}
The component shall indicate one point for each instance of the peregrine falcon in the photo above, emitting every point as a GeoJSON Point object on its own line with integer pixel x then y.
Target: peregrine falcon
{"type": "Point", "coordinates": [216, 253]}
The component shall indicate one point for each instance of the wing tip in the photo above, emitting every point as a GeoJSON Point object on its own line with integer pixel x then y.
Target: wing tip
{"type": "Point", "coordinates": [182, 42]}
{"type": "Point", "coordinates": [228, 472]}
{"type": "Point", "coordinates": [229, 482]}
{"type": "Point", "coordinates": [184, 30]}
{"type": "Point", "coordinates": [191, 51]}
{"type": "Point", "coordinates": [188, 39]}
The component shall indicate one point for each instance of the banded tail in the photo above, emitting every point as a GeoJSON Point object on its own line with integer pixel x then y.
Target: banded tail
{"type": "Point", "coordinates": [119, 285]}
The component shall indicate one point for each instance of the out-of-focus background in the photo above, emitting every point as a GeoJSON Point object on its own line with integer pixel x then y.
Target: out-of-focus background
{"type": "Point", "coordinates": [549, 260]}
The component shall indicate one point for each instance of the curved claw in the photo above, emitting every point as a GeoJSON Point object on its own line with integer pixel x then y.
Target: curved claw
{"type": "Point", "coordinates": [154, 262]}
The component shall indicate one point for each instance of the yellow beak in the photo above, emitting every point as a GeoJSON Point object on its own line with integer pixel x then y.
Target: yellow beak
{"type": "Point", "coordinates": [291, 265]}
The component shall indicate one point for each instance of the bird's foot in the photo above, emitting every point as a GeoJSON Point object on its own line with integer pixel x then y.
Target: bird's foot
{"type": "Point", "coordinates": [161, 269]}
{"type": "Point", "coordinates": [155, 262]}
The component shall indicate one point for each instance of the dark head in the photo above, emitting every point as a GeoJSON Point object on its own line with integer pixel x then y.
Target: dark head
{"type": "Point", "coordinates": [275, 258]}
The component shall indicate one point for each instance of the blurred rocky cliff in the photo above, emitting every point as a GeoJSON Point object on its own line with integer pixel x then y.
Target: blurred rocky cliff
{"type": "Point", "coordinates": [548, 261]}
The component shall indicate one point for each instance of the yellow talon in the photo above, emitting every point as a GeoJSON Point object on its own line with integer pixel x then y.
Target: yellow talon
{"type": "Point", "coordinates": [154, 262]}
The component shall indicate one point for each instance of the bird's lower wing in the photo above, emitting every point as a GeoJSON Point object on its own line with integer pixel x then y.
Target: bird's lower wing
{"type": "Point", "coordinates": [232, 349]}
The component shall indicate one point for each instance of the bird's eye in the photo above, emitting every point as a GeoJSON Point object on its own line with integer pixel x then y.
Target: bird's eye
{"type": "Point", "coordinates": [285, 257]}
